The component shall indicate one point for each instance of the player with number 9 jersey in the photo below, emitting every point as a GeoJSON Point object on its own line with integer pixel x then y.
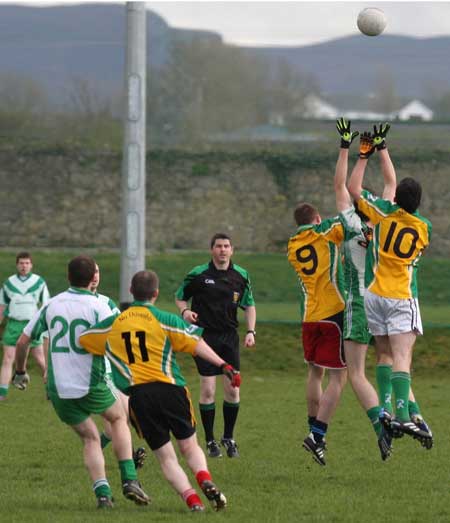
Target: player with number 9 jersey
{"type": "Point", "coordinates": [314, 254]}
{"type": "Point", "coordinates": [399, 240]}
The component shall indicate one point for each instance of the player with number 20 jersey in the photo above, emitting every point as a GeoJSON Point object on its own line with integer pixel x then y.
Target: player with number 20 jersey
{"type": "Point", "coordinates": [72, 371]}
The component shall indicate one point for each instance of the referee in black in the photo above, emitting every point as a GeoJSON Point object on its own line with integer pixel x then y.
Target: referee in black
{"type": "Point", "coordinates": [217, 289]}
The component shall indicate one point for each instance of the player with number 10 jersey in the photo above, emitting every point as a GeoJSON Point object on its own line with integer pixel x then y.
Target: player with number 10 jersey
{"type": "Point", "coordinates": [399, 239]}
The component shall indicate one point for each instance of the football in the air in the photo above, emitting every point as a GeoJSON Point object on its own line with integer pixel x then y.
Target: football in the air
{"type": "Point", "coordinates": [371, 21]}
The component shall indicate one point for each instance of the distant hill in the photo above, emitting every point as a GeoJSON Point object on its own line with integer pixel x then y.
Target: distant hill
{"type": "Point", "coordinates": [54, 44]}
{"type": "Point", "coordinates": [354, 64]}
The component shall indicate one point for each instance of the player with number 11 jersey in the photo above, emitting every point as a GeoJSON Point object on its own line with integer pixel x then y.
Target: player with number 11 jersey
{"type": "Point", "coordinates": [141, 343]}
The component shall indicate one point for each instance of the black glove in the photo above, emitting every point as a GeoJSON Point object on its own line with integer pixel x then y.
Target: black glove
{"type": "Point", "coordinates": [346, 135]}
{"type": "Point", "coordinates": [366, 147]}
{"type": "Point", "coordinates": [379, 135]}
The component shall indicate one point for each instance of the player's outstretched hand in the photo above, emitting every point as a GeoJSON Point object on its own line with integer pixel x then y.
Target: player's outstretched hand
{"type": "Point", "coordinates": [20, 380]}
{"type": "Point", "coordinates": [379, 135]}
{"type": "Point", "coordinates": [343, 126]}
{"type": "Point", "coordinates": [232, 374]}
{"type": "Point", "coordinates": [366, 146]}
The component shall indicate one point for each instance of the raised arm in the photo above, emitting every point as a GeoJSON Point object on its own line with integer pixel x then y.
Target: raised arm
{"type": "Point", "coordinates": [387, 167]}
{"type": "Point", "coordinates": [389, 176]}
{"type": "Point", "coordinates": [366, 149]}
{"type": "Point", "coordinates": [343, 200]}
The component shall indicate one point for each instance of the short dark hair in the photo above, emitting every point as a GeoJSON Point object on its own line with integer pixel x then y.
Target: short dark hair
{"type": "Point", "coordinates": [219, 236]}
{"type": "Point", "coordinates": [305, 213]}
{"type": "Point", "coordinates": [144, 285]}
{"type": "Point", "coordinates": [408, 194]}
{"type": "Point", "coordinates": [81, 270]}
{"type": "Point", "coordinates": [24, 255]}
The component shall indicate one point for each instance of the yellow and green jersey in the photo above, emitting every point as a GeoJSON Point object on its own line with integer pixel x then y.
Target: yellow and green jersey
{"type": "Point", "coordinates": [141, 343]}
{"type": "Point", "coordinates": [399, 240]}
{"type": "Point", "coordinates": [314, 254]}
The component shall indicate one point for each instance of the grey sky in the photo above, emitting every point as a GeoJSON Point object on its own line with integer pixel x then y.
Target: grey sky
{"type": "Point", "coordinates": [301, 22]}
{"type": "Point", "coordinates": [290, 23]}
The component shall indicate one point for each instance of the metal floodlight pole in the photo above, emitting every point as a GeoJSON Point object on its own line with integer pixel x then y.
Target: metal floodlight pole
{"type": "Point", "coordinates": [132, 255]}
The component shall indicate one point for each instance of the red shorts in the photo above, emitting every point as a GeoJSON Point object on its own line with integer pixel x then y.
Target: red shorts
{"type": "Point", "coordinates": [323, 342]}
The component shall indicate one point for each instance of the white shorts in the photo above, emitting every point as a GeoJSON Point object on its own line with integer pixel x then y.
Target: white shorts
{"type": "Point", "coordinates": [387, 316]}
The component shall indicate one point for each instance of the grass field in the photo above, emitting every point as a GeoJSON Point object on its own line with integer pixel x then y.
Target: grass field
{"type": "Point", "coordinates": [274, 283]}
{"type": "Point", "coordinates": [275, 480]}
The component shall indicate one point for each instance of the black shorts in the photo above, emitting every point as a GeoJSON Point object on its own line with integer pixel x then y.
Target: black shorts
{"type": "Point", "coordinates": [157, 409]}
{"type": "Point", "coordinates": [226, 345]}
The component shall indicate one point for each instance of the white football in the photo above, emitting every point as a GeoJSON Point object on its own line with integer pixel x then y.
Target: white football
{"type": "Point", "coordinates": [371, 21]}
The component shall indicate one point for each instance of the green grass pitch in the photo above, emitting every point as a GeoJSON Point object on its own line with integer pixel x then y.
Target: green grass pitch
{"type": "Point", "coordinates": [274, 480]}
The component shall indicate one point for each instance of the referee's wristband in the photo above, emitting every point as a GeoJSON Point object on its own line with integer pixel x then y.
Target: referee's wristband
{"type": "Point", "coordinates": [251, 332]}
{"type": "Point", "coordinates": [183, 311]}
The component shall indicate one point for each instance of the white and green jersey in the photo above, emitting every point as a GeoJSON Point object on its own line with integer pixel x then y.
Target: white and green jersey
{"type": "Point", "coordinates": [111, 304]}
{"type": "Point", "coordinates": [72, 371]}
{"type": "Point", "coordinates": [23, 296]}
{"type": "Point", "coordinates": [355, 249]}
{"type": "Point", "coordinates": [114, 310]}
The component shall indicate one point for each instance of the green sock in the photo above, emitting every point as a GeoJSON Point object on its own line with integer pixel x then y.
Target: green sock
{"type": "Point", "coordinates": [383, 375]}
{"type": "Point", "coordinates": [373, 415]}
{"type": "Point", "coordinates": [401, 382]}
{"type": "Point", "coordinates": [4, 390]}
{"type": "Point", "coordinates": [413, 408]}
{"type": "Point", "coordinates": [127, 470]}
{"type": "Point", "coordinates": [104, 440]}
{"type": "Point", "coordinates": [101, 488]}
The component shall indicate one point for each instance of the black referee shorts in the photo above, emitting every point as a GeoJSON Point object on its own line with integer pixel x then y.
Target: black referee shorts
{"type": "Point", "coordinates": [158, 409]}
{"type": "Point", "coordinates": [226, 345]}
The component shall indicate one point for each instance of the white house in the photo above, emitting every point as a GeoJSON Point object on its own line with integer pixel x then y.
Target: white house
{"type": "Point", "coordinates": [316, 108]}
{"type": "Point", "coordinates": [365, 115]}
{"type": "Point", "coordinates": [414, 110]}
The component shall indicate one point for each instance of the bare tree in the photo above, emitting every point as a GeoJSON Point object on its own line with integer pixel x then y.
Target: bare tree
{"type": "Point", "coordinates": [385, 99]}
{"type": "Point", "coordinates": [87, 100]}
{"type": "Point", "coordinates": [21, 94]}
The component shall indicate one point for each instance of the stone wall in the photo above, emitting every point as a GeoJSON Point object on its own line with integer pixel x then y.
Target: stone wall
{"type": "Point", "coordinates": [65, 198]}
